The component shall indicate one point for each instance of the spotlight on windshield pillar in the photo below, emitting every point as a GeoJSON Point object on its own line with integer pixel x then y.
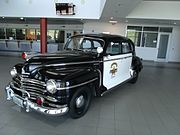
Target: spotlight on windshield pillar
{"type": "Point", "coordinates": [22, 19]}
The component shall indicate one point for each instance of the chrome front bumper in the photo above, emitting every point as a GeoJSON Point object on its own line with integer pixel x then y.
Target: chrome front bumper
{"type": "Point", "coordinates": [28, 105]}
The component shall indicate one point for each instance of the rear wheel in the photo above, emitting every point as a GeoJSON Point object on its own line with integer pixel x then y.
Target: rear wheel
{"type": "Point", "coordinates": [135, 77]}
{"type": "Point", "coordinates": [80, 102]}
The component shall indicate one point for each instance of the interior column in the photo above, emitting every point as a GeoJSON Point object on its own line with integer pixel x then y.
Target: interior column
{"type": "Point", "coordinates": [43, 30]}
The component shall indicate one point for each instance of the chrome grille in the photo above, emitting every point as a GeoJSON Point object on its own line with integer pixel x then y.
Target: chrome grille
{"type": "Point", "coordinates": [29, 88]}
{"type": "Point", "coordinates": [34, 87]}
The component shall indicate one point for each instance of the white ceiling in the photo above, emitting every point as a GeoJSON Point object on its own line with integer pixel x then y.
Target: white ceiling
{"type": "Point", "coordinates": [119, 9]}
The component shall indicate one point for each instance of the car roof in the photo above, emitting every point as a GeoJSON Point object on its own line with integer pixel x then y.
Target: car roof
{"type": "Point", "coordinates": [104, 36]}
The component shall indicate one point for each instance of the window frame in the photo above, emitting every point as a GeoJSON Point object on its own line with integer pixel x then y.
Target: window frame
{"type": "Point", "coordinates": [101, 41]}
{"type": "Point", "coordinates": [146, 29]}
{"type": "Point", "coordinates": [120, 44]}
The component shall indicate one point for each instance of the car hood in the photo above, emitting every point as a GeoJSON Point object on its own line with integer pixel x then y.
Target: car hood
{"type": "Point", "coordinates": [59, 58]}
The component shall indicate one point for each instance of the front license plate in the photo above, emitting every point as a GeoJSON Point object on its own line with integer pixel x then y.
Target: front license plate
{"type": "Point", "coordinates": [18, 101]}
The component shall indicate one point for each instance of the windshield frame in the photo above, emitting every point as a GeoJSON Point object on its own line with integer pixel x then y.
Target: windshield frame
{"type": "Point", "coordinates": [101, 41]}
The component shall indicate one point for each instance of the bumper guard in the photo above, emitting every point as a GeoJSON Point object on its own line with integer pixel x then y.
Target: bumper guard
{"type": "Point", "coordinates": [28, 105]}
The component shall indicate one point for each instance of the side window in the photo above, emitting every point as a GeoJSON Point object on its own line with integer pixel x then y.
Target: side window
{"type": "Point", "coordinates": [114, 48]}
{"type": "Point", "coordinates": [126, 47]}
{"type": "Point", "coordinates": [86, 44]}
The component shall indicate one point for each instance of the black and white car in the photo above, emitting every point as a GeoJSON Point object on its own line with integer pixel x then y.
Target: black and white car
{"type": "Point", "coordinates": [65, 81]}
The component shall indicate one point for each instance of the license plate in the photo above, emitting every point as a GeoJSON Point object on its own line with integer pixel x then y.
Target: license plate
{"type": "Point", "coordinates": [18, 101]}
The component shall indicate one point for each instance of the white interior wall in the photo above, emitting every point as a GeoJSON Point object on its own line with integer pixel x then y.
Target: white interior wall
{"type": "Point", "coordinates": [174, 49]}
{"type": "Point", "coordinates": [146, 53]}
{"type": "Point", "coordinates": [99, 27]}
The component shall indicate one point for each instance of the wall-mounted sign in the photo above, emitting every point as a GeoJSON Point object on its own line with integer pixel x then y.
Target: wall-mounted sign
{"type": "Point", "coordinates": [65, 9]}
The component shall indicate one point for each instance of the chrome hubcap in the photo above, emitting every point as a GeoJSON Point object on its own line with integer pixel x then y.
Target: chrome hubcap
{"type": "Point", "coordinates": [80, 101]}
{"type": "Point", "coordinates": [135, 74]}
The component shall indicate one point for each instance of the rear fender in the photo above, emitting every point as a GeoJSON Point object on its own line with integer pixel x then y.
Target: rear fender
{"type": "Point", "coordinates": [137, 64]}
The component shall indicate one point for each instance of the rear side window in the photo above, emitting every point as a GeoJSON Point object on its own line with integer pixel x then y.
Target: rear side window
{"type": "Point", "coordinates": [114, 48]}
{"type": "Point", "coordinates": [84, 44]}
{"type": "Point", "coordinates": [90, 44]}
{"type": "Point", "coordinates": [126, 48]}
{"type": "Point", "coordinates": [118, 47]}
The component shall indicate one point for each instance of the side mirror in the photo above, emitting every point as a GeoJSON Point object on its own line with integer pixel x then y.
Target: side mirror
{"type": "Point", "coordinates": [99, 50]}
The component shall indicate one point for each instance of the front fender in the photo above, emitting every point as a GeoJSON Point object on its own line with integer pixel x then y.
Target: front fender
{"type": "Point", "coordinates": [76, 77]}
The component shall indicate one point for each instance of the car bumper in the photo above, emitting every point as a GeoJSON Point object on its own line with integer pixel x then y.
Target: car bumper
{"type": "Point", "coordinates": [28, 105]}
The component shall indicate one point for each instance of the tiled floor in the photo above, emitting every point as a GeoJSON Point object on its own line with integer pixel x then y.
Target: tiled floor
{"type": "Point", "coordinates": [149, 107]}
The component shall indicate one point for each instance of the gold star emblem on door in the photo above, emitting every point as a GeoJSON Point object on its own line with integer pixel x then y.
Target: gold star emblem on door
{"type": "Point", "coordinates": [114, 68]}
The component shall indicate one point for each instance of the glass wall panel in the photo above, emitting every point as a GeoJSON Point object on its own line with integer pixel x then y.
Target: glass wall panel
{"type": "Point", "coordinates": [11, 33]}
{"type": "Point", "coordinates": [30, 34]}
{"type": "Point", "coordinates": [38, 34]}
{"type": "Point", "coordinates": [155, 29]}
{"type": "Point", "coordinates": [55, 36]}
{"type": "Point", "coordinates": [2, 33]}
{"type": "Point", "coordinates": [135, 36]}
{"type": "Point", "coordinates": [147, 36]}
{"type": "Point", "coordinates": [59, 36]}
{"type": "Point", "coordinates": [20, 34]}
{"type": "Point", "coordinates": [166, 29]}
{"type": "Point", "coordinates": [149, 39]}
{"type": "Point", "coordinates": [137, 28]}
{"type": "Point", "coordinates": [51, 35]}
{"type": "Point", "coordinates": [62, 36]}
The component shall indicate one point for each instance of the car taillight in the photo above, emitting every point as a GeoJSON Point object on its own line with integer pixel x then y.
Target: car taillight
{"type": "Point", "coordinates": [24, 55]}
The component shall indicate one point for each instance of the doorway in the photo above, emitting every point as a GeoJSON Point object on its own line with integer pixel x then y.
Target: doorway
{"type": "Point", "coordinates": [163, 43]}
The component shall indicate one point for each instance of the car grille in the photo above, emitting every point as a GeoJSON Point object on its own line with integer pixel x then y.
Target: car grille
{"type": "Point", "coordinates": [34, 87]}
{"type": "Point", "coordinates": [25, 87]}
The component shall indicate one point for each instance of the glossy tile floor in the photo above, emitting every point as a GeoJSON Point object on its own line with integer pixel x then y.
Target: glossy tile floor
{"type": "Point", "coordinates": [149, 107]}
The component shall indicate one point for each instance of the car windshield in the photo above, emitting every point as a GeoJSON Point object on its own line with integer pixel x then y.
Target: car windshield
{"type": "Point", "coordinates": [85, 44]}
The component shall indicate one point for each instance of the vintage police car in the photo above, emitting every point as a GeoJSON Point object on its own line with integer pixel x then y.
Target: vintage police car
{"type": "Point", "coordinates": [65, 81]}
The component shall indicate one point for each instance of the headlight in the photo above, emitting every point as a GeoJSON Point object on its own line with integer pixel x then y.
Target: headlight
{"type": "Point", "coordinates": [51, 86]}
{"type": "Point", "coordinates": [13, 72]}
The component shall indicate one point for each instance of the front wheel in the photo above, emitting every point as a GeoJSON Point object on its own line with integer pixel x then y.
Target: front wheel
{"type": "Point", "coordinates": [80, 102]}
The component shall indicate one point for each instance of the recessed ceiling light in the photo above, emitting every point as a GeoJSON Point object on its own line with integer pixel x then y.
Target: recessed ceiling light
{"type": "Point", "coordinates": [21, 18]}
{"type": "Point", "coordinates": [112, 21]}
{"type": "Point", "coordinates": [174, 23]}
{"type": "Point", "coordinates": [3, 17]}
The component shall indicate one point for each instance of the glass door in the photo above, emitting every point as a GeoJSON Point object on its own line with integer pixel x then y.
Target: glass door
{"type": "Point", "coordinates": [163, 46]}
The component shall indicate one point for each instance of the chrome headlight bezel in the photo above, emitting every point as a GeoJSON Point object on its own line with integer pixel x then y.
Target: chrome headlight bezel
{"type": "Point", "coordinates": [13, 72]}
{"type": "Point", "coordinates": [51, 86]}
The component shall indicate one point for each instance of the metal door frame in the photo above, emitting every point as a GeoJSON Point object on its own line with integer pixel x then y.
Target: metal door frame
{"type": "Point", "coordinates": [168, 47]}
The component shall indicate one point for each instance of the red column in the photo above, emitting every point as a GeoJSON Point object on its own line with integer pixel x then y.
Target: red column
{"type": "Point", "coordinates": [43, 30]}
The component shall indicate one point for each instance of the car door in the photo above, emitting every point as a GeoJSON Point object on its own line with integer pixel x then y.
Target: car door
{"type": "Point", "coordinates": [117, 63]}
